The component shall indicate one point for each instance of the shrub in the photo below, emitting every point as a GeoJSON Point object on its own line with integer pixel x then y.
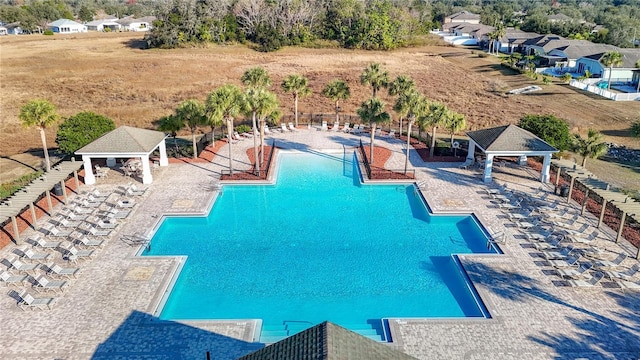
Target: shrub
{"type": "Point", "coordinates": [635, 128]}
{"type": "Point", "coordinates": [48, 32]}
{"type": "Point", "coordinates": [483, 54]}
{"type": "Point", "coordinates": [107, 29]}
{"type": "Point", "coordinates": [546, 80]}
{"type": "Point", "coordinates": [549, 128]}
{"type": "Point", "coordinates": [566, 78]}
{"type": "Point", "coordinates": [81, 129]}
{"type": "Point", "coordinates": [243, 129]}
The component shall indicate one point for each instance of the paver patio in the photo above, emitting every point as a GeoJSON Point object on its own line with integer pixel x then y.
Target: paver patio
{"type": "Point", "coordinates": [106, 312]}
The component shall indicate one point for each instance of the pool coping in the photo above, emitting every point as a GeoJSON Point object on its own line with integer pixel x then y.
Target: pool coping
{"type": "Point", "coordinates": [253, 327]}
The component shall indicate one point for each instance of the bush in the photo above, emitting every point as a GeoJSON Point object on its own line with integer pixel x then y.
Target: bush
{"type": "Point", "coordinates": [243, 129]}
{"type": "Point", "coordinates": [81, 129]}
{"type": "Point", "coordinates": [483, 54]}
{"type": "Point", "coordinates": [546, 80]}
{"type": "Point", "coordinates": [635, 128]}
{"type": "Point", "coordinates": [48, 32]}
{"type": "Point", "coordinates": [549, 128]}
{"type": "Point", "coordinates": [566, 78]}
{"type": "Point", "coordinates": [107, 29]}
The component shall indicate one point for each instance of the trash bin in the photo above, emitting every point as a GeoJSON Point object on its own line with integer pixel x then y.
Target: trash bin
{"type": "Point", "coordinates": [57, 189]}
{"type": "Point", "coordinates": [564, 191]}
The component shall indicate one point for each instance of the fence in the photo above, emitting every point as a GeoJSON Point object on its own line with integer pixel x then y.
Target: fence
{"type": "Point", "coordinates": [604, 92]}
{"type": "Point", "coordinates": [384, 174]}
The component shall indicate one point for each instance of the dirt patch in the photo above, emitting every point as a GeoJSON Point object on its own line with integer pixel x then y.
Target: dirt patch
{"type": "Point", "coordinates": [251, 174]}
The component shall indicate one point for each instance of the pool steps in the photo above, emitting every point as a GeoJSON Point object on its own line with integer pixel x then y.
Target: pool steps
{"type": "Point", "coordinates": [274, 333]}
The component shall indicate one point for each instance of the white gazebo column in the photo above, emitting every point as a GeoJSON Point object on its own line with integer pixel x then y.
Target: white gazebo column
{"type": "Point", "coordinates": [546, 166]}
{"type": "Point", "coordinates": [163, 153]}
{"type": "Point", "coordinates": [146, 170]}
{"type": "Point", "coordinates": [472, 151]}
{"type": "Point", "coordinates": [111, 162]}
{"type": "Point", "coordinates": [89, 178]}
{"type": "Point", "coordinates": [522, 160]}
{"type": "Point", "coordinates": [488, 164]}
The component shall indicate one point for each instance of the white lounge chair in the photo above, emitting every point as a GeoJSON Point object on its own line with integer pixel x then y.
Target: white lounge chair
{"type": "Point", "coordinates": [627, 274]}
{"type": "Point", "coordinates": [27, 301]}
{"type": "Point", "coordinates": [85, 241]}
{"type": "Point", "coordinates": [126, 203]}
{"type": "Point", "coordinates": [130, 192]}
{"type": "Point", "coordinates": [106, 224]}
{"type": "Point", "coordinates": [58, 271]}
{"type": "Point", "coordinates": [97, 232]}
{"type": "Point", "coordinates": [115, 213]}
{"type": "Point", "coordinates": [391, 134]}
{"type": "Point", "coordinates": [54, 231]}
{"type": "Point", "coordinates": [291, 127]}
{"type": "Point", "coordinates": [592, 281]}
{"type": "Point", "coordinates": [560, 254]}
{"type": "Point", "coordinates": [43, 284]}
{"type": "Point", "coordinates": [83, 211]}
{"type": "Point", "coordinates": [631, 285]}
{"type": "Point", "coordinates": [611, 263]}
{"type": "Point", "coordinates": [336, 126]}
{"type": "Point", "coordinates": [237, 136]}
{"type": "Point", "coordinates": [571, 261]}
{"type": "Point", "coordinates": [74, 254]}
{"type": "Point", "coordinates": [38, 240]}
{"type": "Point", "coordinates": [68, 223]}
{"type": "Point", "coordinates": [8, 279]}
{"type": "Point", "coordinates": [378, 132]}
{"type": "Point", "coordinates": [574, 273]}
{"type": "Point", "coordinates": [15, 263]}
{"type": "Point", "coordinates": [346, 128]}
{"type": "Point", "coordinates": [27, 253]}
{"type": "Point", "coordinates": [283, 126]}
{"type": "Point", "coordinates": [324, 126]}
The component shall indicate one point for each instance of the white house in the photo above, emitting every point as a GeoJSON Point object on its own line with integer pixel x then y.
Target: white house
{"type": "Point", "coordinates": [13, 28]}
{"type": "Point", "coordinates": [101, 25]}
{"type": "Point", "coordinates": [513, 40]}
{"type": "Point", "coordinates": [3, 31]}
{"type": "Point", "coordinates": [66, 26]}
{"type": "Point", "coordinates": [132, 24]}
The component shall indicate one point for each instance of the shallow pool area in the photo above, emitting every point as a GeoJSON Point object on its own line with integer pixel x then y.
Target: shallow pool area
{"type": "Point", "coordinates": [318, 245]}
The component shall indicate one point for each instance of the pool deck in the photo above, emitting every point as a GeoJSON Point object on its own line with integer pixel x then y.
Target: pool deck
{"type": "Point", "coordinates": [106, 313]}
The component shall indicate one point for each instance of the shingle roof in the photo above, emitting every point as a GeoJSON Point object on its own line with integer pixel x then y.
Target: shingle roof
{"type": "Point", "coordinates": [124, 139]}
{"type": "Point", "coordinates": [629, 56]}
{"type": "Point", "coordinates": [517, 36]}
{"type": "Point", "coordinates": [509, 138]}
{"type": "Point", "coordinates": [327, 341]}
{"type": "Point", "coordinates": [464, 15]}
{"type": "Point", "coordinates": [559, 17]}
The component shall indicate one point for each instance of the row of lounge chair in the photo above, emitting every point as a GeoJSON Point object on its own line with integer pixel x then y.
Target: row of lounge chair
{"type": "Point", "coordinates": [565, 240]}
{"type": "Point", "coordinates": [77, 232]}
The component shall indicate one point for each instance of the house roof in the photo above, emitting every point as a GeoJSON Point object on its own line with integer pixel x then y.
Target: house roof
{"type": "Point", "coordinates": [575, 49]}
{"type": "Point", "coordinates": [125, 139]}
{"type": "Point", "coordinates": [102, 22]}
{"type": "Point", "coordinates": [467, 28]}
{"type": "Point", "coordinates": [517, 36]}
{"type": "Point", "coordinates": [129, 20]}
{"type": "Point", "coordinates": [327, 341]}
{"type": "Point", "coordinates": [542, 40]}
{"type": "Point", "coordinates": [629, 56]}
{"type": "Point", "coordinates": [509, 138]}
{"type": "Point", "coordinates": [482, 30]}
{"type": "Point", "coordinates": [559, 17]}
{"type": "Point", "coordinates": [64, 22]}
{"type": "Point", "coordinates": [464, 15]}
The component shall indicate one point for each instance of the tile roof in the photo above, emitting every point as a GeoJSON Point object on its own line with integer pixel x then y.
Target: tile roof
{"type": "Point", "coordinates": [124, 139]}
{"type": "Point", "coordinates": [509, 138]}
{"type": "Point", "coordinates": [327, 341]}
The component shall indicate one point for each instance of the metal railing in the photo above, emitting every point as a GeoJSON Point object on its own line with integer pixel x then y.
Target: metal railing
{"type": "Point", "coordinates": [262, 174]}
{"type": "Point", "coordinates": [365, 160]}
{"type": "Point", "coordinates": [384, 173]}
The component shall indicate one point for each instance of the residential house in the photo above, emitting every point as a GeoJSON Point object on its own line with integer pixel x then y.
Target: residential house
{"type": "Point", "coordinates": [558, 18]}
{"type": "Point", "coordinates": [66, 26]}
{"type": "Point", "coordinates": [463, 17]}
{"type": "Point", "coordinates": [481, 35]}
{"type": "Point", "coordinates": [14, 28]}
{"type": "Point", "coordinates": [101, 25]}
{"type": "Point", "coordinates": [460, 33]}
{"type": "Point", "coordinates": [3, 31]}
{"type": "Point", "coordinates": [623, 73]}
{"type": "Point", "coordinates": [133, 24]}
{"type": "Point", "coordinates": [513, 40]}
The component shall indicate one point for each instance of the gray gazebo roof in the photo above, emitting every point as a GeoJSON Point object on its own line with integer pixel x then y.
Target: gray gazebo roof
{"type": "Point", "coordinates": [124, 140]}
{"type": "Point", "coordinates": [327, 341]}
{"type": "Point", "coordinates": [509, 138]}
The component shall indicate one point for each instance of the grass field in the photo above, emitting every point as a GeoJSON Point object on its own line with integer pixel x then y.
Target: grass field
{"type": "Point", "coordinates": [110, 74]}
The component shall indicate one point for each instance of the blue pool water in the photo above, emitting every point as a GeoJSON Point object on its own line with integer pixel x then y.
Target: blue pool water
{"type": "Point", "coordinates": [318, 246]}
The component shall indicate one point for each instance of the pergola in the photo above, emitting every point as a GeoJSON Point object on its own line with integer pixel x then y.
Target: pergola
{"type": "Point", "coordinates": [509, 140]}
{"type": "Point", "coordinates": [27, 196]}
{"type": "Point", "coordinates": [125, 142]}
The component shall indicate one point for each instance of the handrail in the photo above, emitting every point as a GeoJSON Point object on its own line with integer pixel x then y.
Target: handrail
{"type": "Point", "coordinates": [365, 160]}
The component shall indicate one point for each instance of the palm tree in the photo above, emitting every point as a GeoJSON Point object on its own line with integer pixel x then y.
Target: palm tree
{"type": "Point", "coordinates": [267, 105]}
{"type": "Point", "coordinates": [415, 105]}
{"type": "Point", "coordinates": [611, 59]}
{"type": "Point", "coordinates": [499, 33]}
{"type": "Point", "coordinates": [191, 114]}
{"type": "Point", "coordinates": [400, 87]}
{"type": "Point", "coordinates": [454, 123]}
{"type": "Point", "coordinates": [224, 104]}
{"type": "Point", "coordinates": [437, 115]}
{"type": "Point", "coordinates": [591, 147]}
{"type": "Point", "coordinates": [374, 77]}
{"type": "Point", "coordinates": [298, 86]}
{"type": "Point", "coordinates": [41, 114]}
{"type": "Point", "coordinates": [372, 112]}
{"type": "Point", "coordinates": [337, 90]}
{"type": "Point", "coordinates": [256, 77]}
{"type": "Point", "coordinates": [251, 103]}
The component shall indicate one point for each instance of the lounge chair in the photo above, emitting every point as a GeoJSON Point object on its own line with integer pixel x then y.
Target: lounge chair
{"type": "Point", "coordinates": [625, 284]}
{"type": "Point", "coordinates": [97, 232]}
{"type": "Point", "coordinates": [592, 281]}
{"type": "Point", "coordinates": [108, 224]}
{"type": "Point", "coordinates": [15, 263]}
{"type": "Point", "coordinates": [336, 126]}
{"type": "Point", "coordinates": [27, 301]}
{"type": "Point", "coordinates": [68, 223]}
{"type": "Point", "coordinates": [568, 262]}
{"type": "Point", "coordinates": [560, 254]}
{"type": "Point", "coordinates": [324, 126]}
{"type": "Point", "coordinates": [357, 128]}
{"type": "Point", "coordinates": [74, 254]}
{"type": "Point", "coordinates": [58, 271]}
{"type": "Point", "coordinates": [43, 284]}
{"type": "Point", "coordinates": [627, 274]}
{"type": "Point", "coordinates": [115, 213]}
{"type": "Point", "coordinates": [574, 273]}
{"type": "Point", "coordinates": [26, 253]}
{"type": "Point", "coordinates": [284, 129]}
{"type": "Point", "coordinates": [346, 128]}
{"type": "Point", "coordinates": [391, 134]}
{"type": "Point", "coordinates": [88, 242]}
{"type": "Point", "coordinates": [611, 263]}
{"type": "Point", "coordinates": [38, 240]}
{"type": "Point", "coordinates": [378, 132]}
{"type": "Point", "coordinates": [291, 127]}
{"type": "Point", "coordinates": [82, 211]}
{"type": "Point", "coordinates": [126, 203]}
{"type": "Point", "coordinates": [76, 217]}
{"type": "Point", "coordinates": [54, 231]}
{"type": "Point", "coordinates": [495, 191]}
{"type": "Point", "coordinates": [8, 279]}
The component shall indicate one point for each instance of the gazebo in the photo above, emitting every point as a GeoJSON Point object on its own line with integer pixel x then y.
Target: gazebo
{"type": "Point", "coordinates": [125, 142]}
{"type": "Point", "coordinates": [509, 140]}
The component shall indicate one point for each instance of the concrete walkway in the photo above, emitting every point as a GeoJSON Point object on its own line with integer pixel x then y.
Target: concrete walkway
{"type": "Point", "coordinates": [106, 313]}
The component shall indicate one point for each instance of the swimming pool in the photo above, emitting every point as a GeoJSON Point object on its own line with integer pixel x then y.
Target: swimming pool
{"type": "Point", "coordinates": [317, 246]}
